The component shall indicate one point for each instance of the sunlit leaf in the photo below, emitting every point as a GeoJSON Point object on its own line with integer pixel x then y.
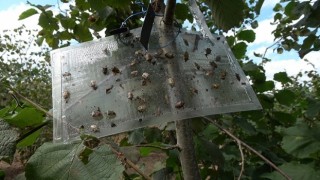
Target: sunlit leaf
{"type": "Point", "coordinates": [27, 13]}
{"type": "Point", "coordinates": [227, 13]}
{"type": "Point", "coordinates": [282, 77]}
{"type": "Point", "coordinates": [247, 35]}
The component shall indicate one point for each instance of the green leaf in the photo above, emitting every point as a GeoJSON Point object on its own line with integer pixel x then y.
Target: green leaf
{"type": "Point", "coordinates": [295, 171]}
{"type": "Point", "coordinates": [247, 35]}
{"type": "Point", "coordinates": [28, 141]}
{"type": "Point", "coordinates": [264, 86]}
{"type": "Point", "coordinates": [27, 13]}
{"type": "Point", "coordinates": [279, 50]}
{"type": "Point", "coordinates": [2, 174]}
{"type": "Point", "coordinates": [266, 101]}
{"type": "Point", "coordinates": [313, 108]}
{"type": "Point", "coordinates": [118, 4]}
{"type": "Point", "coordinates": [239, 50]}
{"type": "Point", "coordinates": [301, 140]}
{"type": "Point", "coordinates": [182, 12]}
{"type": "Point", "coordinates": [8, 137]}
{"type": "Point", "coordinates": [209, 152]}
{"type": "Point", "coordinates": [136, 137]}
{"type": "Point", "coordinates": [82, 33]}
{"type": "Point", "coordinates": [308, 42]}
{"type": "Point", "coordinates": [25, 117]}
{"type": "Point", "coordinates": [61, 161]}
{"type": "Point", "coordinates": [258, 6]}
{"type": "Point", "coordinates": [97, 4]}
{"type": "Point", "coordinates": [285, 97]}
{"type": "Point", "coordinates": [284, 118]}
{"type": "Point", "coordinates": [282, 77]}
{"type": "Point", "coordinates": [39, 40]}
{"type": "Point", "coordinates": [227, 13]}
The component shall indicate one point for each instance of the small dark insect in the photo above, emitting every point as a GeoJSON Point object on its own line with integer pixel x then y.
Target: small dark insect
{"type": "Point", "coordinates": [111, 113]}
{"type": "Point", "coordinates": [186, 42]}
{"type": "Point", "coordinates": [215, 86]}
{"type": "Point", "coordinates": [169, 55]}
{"type": "Point", "coordinates": [66, 74]}
{"type": "Point", "coordinates": [143, 82]}
{"type": "Point", "coordinates": [105, 70]}
{"type": "Point", "coordinates": [134, 62]}
{"type": "Point", "coordinates": [96, 113]}
{"type": "Point", "coordinates": [213, 64]}
{"type": "Point", "coordinates": [243, 83]}
{"type": "Point", "coordinates": [194, 90]}
{"type": "Point", "coordinates": [142, 108]}
{"type": "Point", "coordinates": [134, 73]}
{"type": "Point", "coordinates": [208, 51]}
{"type": "Point", "coordinates": [130, 95]}
{"type": "Point", "coordinates": [179, 104]}
{"type": "Point", "coordinates": [66, 95]}
{"type": "Point", "coordinates": [94, 128]}
{"type": "Point", "coordinates": [171, 82]}
{"type": "Point", "coordinates": [197, 65]}
{"type": "Point", "coordinates": [140, 120]}
{"type": "Point", "coordinates": [148, 57]}
{"type": "Point", "coordinates": [218, 58]}
{"type": "Point", "coordinates": [223, 75]}
{"type": "Point", "coordinates": [238, 76]}
{"type": "Point", "coordinates": [81, 127]}
{"type": "Point", "coordinates": [113, 125]}
{"type": "Point", "coordinates": [115, 70]}
{"type": "Point", "coordinates": [186, 56]}
{"type": "Point", "coordinates": [108, 90]}
{"type": "Point", "coordinates": [218, 38]}
{"type": "Point", "coordinates": [93, 84]}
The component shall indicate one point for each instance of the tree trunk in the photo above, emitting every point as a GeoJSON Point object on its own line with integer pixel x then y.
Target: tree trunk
{"type": "Point", "coordinates": [183, 130]}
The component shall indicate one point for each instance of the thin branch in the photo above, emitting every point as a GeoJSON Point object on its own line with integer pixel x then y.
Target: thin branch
{"type": "Point", "coordinates": [126, 161]}
{"type": "Point", "coordinates": [33, 130]}
{"type": "Point", "coordinates": [250, 148]}
{"type": "Point", "coordinates": [265, 52]}
{"type": "Point", "coordinates": [242, 159]}
{"type": "Point", "coordinates": [159, 147]}
{"type": "Point", "coordinates": [169, 12]}
{"type": "Point", "coordinates": [31, 102]}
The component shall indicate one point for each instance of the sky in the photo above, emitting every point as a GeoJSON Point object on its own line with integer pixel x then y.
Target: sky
{"type": "Point", "coordinates": [288, 61]}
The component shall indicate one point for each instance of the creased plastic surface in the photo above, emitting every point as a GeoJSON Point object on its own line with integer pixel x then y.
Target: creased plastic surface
{"type": "Point", "coordinates": [105, 102]}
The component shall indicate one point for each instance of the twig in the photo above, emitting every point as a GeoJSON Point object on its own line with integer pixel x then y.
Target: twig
{"type": "Point", "coordinates": [33, 130]}
{"type": "Point", "coordinates": [250, 148]}
{"type": "Point", "coordinates": [159, 147]}
{"type": "Point", "coordinates": [265, 52]}
{"type": "Point", "coordinates": [31, 102]}
{"type": "Point", "coordinates": [242, 159]}
{"type": "Point", "coordinates": [126, 161]}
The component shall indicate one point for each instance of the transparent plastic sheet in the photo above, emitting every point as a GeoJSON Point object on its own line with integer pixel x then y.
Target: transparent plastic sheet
{"type": "Point", "coordinates": [210, 82]}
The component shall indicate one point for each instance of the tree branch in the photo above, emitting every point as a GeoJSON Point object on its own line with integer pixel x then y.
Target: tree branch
{"type": "Point", "coordinates": [249, 147]}
{"type": "Point", "coordinates": [242, 160]}
{"type": "Point", "coordinates": [169, 12]}
{"type": "Point", "coordinates": [126, 161]}
{"type": "Point", "coordinates": [159, 147]}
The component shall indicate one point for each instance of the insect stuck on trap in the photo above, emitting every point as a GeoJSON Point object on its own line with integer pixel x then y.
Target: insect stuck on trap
{"type": "Point", "coordinates": [66, 95]}
{"type": "Point", "coordinates": [115, 70]}
{"type": "Point", "coordinates": [179, 104]}
{"type": "Point", "coordinates": [97, 114]}
{"type": "Point", "coordinates": [94, 128]}
{"type": "Point", "coordinates": [105, 70]}
{"type": "Point", "coordinates": [93, 84]}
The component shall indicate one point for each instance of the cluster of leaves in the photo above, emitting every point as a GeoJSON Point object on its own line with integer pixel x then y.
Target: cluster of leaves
{"type": "Point", "coordinates": [297, 25]}
{"type": "Point", "coordinates": [24, 66]}
{"type": "Point", "coordinates": [82, 20]}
